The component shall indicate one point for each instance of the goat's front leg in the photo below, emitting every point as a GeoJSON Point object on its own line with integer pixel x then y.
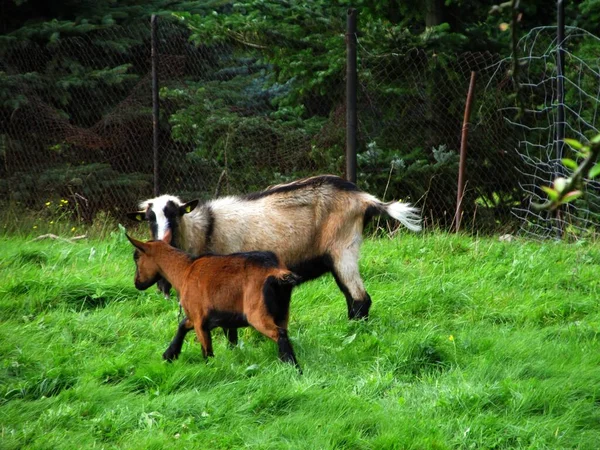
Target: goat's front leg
{"type": "Point", "coordinates": [174, 349]}
{"type": "Point", "coordinates": [232, 336]}
{"type": "Point", "coordinates": [165, 287]}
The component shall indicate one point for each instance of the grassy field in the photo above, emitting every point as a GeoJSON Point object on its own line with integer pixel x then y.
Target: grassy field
{"type": "Point", "coordinates": [472, 343]}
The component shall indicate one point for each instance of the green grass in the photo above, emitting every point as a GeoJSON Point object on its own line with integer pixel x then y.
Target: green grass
{"type": "Point", "coordinates": [472, 343]}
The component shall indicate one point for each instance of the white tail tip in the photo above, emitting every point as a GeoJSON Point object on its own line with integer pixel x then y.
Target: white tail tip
{"type": "Point", "coordinates": [406, 214]}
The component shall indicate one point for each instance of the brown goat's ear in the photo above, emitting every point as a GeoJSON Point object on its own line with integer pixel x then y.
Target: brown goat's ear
{"type": "Point", "coordinates": [137, 244]}
{"type": "Point", "coordinates": [188, 207]}
{"type": "Point", "coordinates": [167, 237]}
{"type": "Point", "coordinates": [138, 216]}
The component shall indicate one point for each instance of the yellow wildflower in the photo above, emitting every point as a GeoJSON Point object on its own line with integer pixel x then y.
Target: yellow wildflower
{"type": "Point", "coordinates": [451, 338]}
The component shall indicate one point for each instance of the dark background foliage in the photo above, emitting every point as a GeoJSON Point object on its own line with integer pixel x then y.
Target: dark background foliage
{"type": "Point", "coordinates": [252, 94]}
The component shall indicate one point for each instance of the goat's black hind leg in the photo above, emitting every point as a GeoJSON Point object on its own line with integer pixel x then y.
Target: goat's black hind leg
{"type": "Point", "coordinates": [232, 336]}
{"type": "Point", "coordinates": [286, 352]}
{"type": "Point", "coordinates": [346, 275]}
{"type": "Point", "coordinates": [172, 352]}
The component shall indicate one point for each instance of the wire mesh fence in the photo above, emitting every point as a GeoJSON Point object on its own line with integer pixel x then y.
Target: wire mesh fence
{"type": "Point", "coordinates": [536, 128]}
{"type": "Point", "coordinates": [76, 126]}
{"type": "Point", "coordinates": [411, 113]}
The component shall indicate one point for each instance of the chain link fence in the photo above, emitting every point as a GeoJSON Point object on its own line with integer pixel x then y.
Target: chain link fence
{"type": "Point", "coordinates": [411, 115]}
{"type": "Point", "coordinates": [76, 125]}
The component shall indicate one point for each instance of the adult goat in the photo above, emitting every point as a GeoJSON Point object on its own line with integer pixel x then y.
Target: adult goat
{"type": "Point", "coordinates": [314, 225]}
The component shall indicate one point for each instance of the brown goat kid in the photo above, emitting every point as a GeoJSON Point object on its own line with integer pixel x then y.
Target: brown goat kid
{"type": "Point", "coordinates": [228, 291]}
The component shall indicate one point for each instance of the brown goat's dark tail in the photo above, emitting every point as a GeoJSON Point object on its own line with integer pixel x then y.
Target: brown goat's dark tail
{"type": "Point", "coordinates": [287, 278]}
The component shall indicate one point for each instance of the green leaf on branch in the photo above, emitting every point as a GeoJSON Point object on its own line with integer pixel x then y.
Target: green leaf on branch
{"type": "Point", "coordinates": [594, 171]}
{"type": "Point", "coordinates": [574, 143]}
{"type": "Point", "coordinates": [552, 193]}
{"type": "Point", "coordinates": [569, 163]}
{"type": "Point", "coordinates": [571, 196]}
{"type": "Point", "coordinates": [595, 140]}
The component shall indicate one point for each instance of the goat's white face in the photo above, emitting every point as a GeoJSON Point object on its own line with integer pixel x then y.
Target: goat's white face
{"type": "Point", "coordinates": [163, 214]}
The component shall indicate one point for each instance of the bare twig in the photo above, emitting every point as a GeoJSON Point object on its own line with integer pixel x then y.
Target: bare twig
{"type": "Point", "coordinates": [236, 36]}
{"type": "Point", "coordinates": [385, 191]}
{"type": "Point", "coordinates": [58, 238]}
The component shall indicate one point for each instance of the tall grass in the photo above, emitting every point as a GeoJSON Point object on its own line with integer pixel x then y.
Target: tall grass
{"type": "Point", "coordinates": [471, 343]}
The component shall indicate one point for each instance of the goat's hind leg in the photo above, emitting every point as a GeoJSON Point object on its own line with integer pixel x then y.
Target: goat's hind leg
{"type": "Point", "coordinates": [279, 335]}
{"type": "Point", "coordinates": [172, 352]}
{"type": "Point", "coordinates": [346, 274]}
{"type": "Point", "coordinates": [286, 352]}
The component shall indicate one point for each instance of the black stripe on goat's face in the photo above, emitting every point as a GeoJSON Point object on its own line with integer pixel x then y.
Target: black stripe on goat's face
{"type": "Point", "coordinates": [336, 182]}
{"type": "Point", "coordinates": [151, 218]}
{"type": "Point", "coordinates": [165, 214]}
{"type": "Point", "coordinates": [166, 218]}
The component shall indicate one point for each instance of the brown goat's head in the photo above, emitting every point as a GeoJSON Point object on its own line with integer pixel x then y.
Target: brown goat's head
{"type": "Point", "coordinates": [147, 271]}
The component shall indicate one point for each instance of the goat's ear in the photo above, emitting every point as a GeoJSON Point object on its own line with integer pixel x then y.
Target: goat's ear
{"type": "Point", "coordinates": [137, 244]}
{"type": "Point", "coordinates": [188, 207]}
{"type": "Point", "coordinates": [138, 216]}
{"type": "Point", "coordinates": [167, 237]}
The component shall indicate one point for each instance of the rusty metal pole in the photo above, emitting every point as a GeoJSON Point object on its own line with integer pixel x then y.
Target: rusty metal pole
{"type": "Point", "coordinates": [463, 154]}
{"type": "Point", "coordinates": [155, 100]}
{"type": "Point", "coordinates": [351, 87]}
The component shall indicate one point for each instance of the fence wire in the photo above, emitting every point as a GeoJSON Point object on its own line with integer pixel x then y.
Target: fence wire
{"type": "Point", "coordinates": [75, 124]}
{"type": "Point", "coordinates": [536, 128]}
{"type": "Point", "coordinates": [411, 117]}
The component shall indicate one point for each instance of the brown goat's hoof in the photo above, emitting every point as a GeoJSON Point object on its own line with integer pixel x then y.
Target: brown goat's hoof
{"type": "Point", "coordinates": [169, 355]}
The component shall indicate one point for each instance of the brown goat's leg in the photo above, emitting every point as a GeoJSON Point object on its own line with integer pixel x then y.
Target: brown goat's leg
{"type": "Point", "coordinates": [346, 275]}
{"type": "Point", "coordinates": [205, 341]}
{"type": "Point", "coordinates": [172, 352]}
{"type": "Point", "coordinates": [266, 326]}
{"type": "Point", "coordinates": [286, 352]}
{"type": "Point", "coordinates": [232, 336]}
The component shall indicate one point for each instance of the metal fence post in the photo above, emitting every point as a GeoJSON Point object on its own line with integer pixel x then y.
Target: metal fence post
{"type": "Point", "coordinates": [463, 153]}
{"type": "Point", "coordinates": [351, 87]}
{"type": "Point", "coordinates": [155, 99]}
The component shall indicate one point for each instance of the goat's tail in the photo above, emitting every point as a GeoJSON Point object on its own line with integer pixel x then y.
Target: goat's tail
{"type": "Point", "coordinates": [406, 214]}
{"type": "Point", "coordinates": [287, 278]}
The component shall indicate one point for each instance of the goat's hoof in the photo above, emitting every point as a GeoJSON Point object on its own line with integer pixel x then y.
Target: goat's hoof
{"type": "Point", "coordinates": [359, 310]}
{"type": "Point", "coordinates": [169, 355]}
{"type": "Point", "coordinates": [358, 315]}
